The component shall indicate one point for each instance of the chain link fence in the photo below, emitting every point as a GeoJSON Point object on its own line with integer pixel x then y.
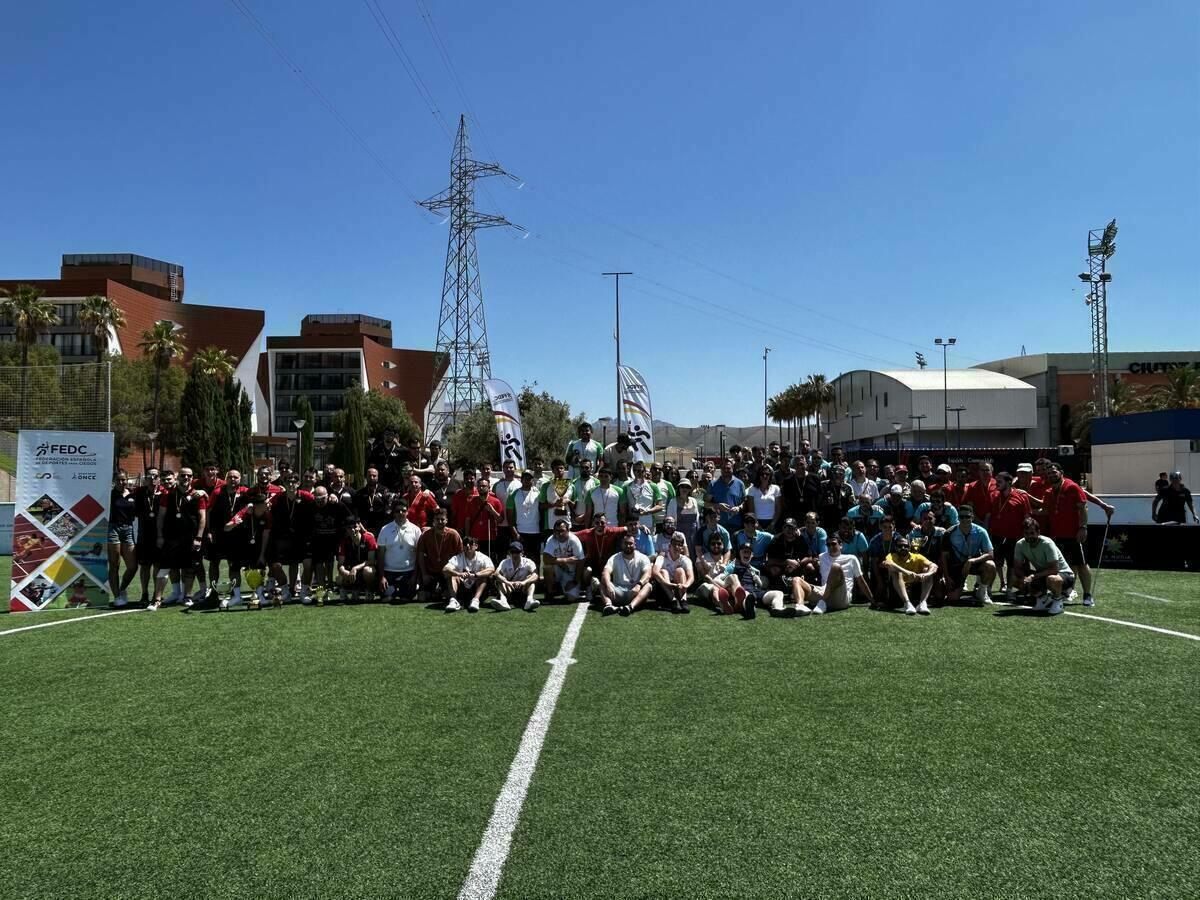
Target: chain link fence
{"type": "Point", "coordinates": [76, 397]}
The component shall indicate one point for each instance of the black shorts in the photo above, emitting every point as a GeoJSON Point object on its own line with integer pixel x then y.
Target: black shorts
{"type": "Point", "coordinates": [288, 551]}
{"type": "Point", "coordinates": [1072, 551]}
{"type": "Point", "coordinates": [1004, 549]}
{"type": "Point", "coordinates": [147, 551]}
{"type": "Point", "coordinates": [182, 554]}
{"type": "Point", "coordinates": [1039, 584]}
{"type": "Point", "coordinates": [405, 583]}
{"type": "Point", "coordinates": [960, 570]}
{"type": "Point", "coordinates": [223, 547]}
{"type": "Point", "coordinates": [324, 549]}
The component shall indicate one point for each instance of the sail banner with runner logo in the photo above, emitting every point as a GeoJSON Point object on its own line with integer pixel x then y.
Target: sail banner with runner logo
{"type": "Point", "coordinates": [635, 405]}
{"type": "Point", "coordinates": [60, 523]}
{"type": "Point", "coordinates": [508, 421]}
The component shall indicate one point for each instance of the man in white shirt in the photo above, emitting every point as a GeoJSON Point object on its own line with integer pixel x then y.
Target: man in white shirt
{"type": "Point", "coordinates": [669, 531]}
{"type": "Point", "coordinates": [605, 498]}
{"type": "Point", "coordinates": [516, 576]}
{"type": "Point", "coordinates": [583, 448]}
{"type": "Point", "coordinates": [625, 579]}
{"type": "Point", "coordinates": [673, 575]}
{"type": "Point", "coordinates": [397, 554]}
{"type": "Point", "coordinates": [841, 573]}
{"type": "Point", "coordinates": [563, 562]}
{"type": "Point", "coordinates": [557, 498]}
{"type": "Point", "coordinates": [666, 491]}
{"type": "Point", "coordinates": [861, 484]}
{"type": "Point", "coordinates": [642, 496]}
{"type": "Point", "coordinates": [467, 577]}
{"type": "Point", "coordinates": [524, 515]}
{"type": "Point", "coordinates": [620, 450]}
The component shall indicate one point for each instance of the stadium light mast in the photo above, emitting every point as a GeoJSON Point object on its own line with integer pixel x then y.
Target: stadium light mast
{"type": "Point", "coordinates": [945, 344]}
{"type": "Point", "coordinates": [766, 350]}
{"type": "Point", "coordinates": [462, 347]}
{"type": "Point", "coordinates": [1102, 244]}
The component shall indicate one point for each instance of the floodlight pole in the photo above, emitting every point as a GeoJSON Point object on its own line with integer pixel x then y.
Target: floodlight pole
{"type": "Point", "coordinates": [1101, 245]}
{"type": "Point", "coordinates": [945, 345]}
{"type": "Point", "coordinates": [617, 334]}
{"type": "Point", "coordinates": [766, 440]}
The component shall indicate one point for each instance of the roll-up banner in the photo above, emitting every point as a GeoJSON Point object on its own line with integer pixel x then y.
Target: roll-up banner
{"type": "Point", "coordinates": [639, 421]}
{"type": "Point", "coordinates": [508, 421]}
{"type": "Point", "coordinates": [60, 523]}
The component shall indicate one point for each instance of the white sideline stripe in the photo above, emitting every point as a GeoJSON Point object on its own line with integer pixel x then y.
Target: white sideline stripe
{"type": "Point", "coordinates": [1148, 596]}
{"type": "Point", "coordinates": [119, 612]}
{"type": "Point", "coordinates": [484, 875]}
{"type": "Point", "coordinates": [1190, 637]}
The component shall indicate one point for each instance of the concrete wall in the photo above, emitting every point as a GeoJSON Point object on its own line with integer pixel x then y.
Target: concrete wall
{"type": "Point", "coordinates": [1132, 468]}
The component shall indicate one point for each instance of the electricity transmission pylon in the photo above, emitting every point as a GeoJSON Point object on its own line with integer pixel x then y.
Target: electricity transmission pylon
{"type": "Point", "coordinates": [461, 361]}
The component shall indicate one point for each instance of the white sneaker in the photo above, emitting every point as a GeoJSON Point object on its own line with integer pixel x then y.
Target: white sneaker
{"type": "Point", "coordinates": [189, 603]}
{"type": "Point", "coordinates": [802, 610]}
{"type": "Point", "coordinates": [1056, 607]}
{"type": "Point", "coordinates": [1088, 600]}
{"type": "Point", "coordinates": [152, 605]}
{"type": "Point", "coordinates": [1072, 597]}
{"type": "Point", "coordinates": [500, 604]}
{"type": "Point", "coordinates": [473, 606]}
{"type": "Point", "coordinates": [531, 604]}
{"type": "Point", "coordinates": [224, 604]}
{"type": "Point", "coordinates": [1042, 603]}
{"type": "Point", "coordinates": [453, 605]}
{"type": "Point", "coordinates": [909, 609]}
{"type": "Point", "coordinates": [819, 609]}
{"type": "Point", "coordinates": [923, 608]}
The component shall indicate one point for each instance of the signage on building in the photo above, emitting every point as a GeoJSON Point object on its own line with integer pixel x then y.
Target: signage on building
{"type": "Point", "coordinates": [1147, 368]}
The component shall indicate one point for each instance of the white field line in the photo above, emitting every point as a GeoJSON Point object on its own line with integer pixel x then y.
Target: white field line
{"type": "Point", "coordinates": [1190, 637]}
{"type": "Point", "coordinates": [488, 864]}
{"type": "Point", "coordinates": [1148, 596]}
{"type": "Point", "coordinates": [119, 612]}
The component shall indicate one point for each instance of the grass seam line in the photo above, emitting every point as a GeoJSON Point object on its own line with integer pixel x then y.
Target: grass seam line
{"type": "Point", "coordinates": [1147, 596]}
{"type": "Point", "coordinates": [483, 878]}
{"type": "Point", "coordinates": [1182, 634]}
{"type": "Point", "coordinates": [119, 612]}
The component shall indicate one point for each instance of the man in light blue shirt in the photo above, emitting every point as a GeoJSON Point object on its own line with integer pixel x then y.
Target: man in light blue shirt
{"type": "Point", "coordinates": [968, 551]}
{"type": "Point", "coordinates": [728, 492]}
{"type": "Point", "coordinates": [758, 540]}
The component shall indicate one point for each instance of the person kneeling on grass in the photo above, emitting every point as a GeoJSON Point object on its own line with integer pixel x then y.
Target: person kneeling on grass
{"type": "Point", "coordinates": [625, 579]}
{"type": "Point", "coordinates": [1041, 569]}
{"type": "Point", "coordinates": [841, 573]}
{"type": "Point", "coordinates": [467, 577]}
{"type": "Point", "coordinates": [673, 576]}
{"type": "Point", "coordinates": [968, 551]}
{"type": "Point", "coordinates": [356, 558]}
{"type": "Point", "coordinates": [516, 577]}
{"type": "Point", "coordinates": [907, 568]}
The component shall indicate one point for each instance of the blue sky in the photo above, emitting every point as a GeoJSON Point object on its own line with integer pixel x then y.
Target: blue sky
{"type": "Point", "coordinates": [840, 184]}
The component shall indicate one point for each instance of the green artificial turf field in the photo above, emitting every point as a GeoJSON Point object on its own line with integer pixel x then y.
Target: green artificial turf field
{"type": "Point", "coordinates": [359, 751]}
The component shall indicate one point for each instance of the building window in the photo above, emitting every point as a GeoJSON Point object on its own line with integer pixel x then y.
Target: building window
{"type": "Point", "coordinates": [389, 384]}
{"type": "Point", "coordinates": [388, 364]}
{"type": "Point", "coordinates": [885, 399]}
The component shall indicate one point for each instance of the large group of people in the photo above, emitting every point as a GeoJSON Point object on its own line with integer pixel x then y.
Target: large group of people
{"type": "Point", "coordinates": [761, 529]}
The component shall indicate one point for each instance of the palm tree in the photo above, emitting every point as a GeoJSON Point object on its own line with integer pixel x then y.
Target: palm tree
{"type": "Point", "coordinates": [103, 317]}
{"type": "Point", "coordinates": [161, 343]}
{"type": "Point", "coordinates": [215, 362]}
{"type": "Point", "coordinates": [1182, 390]}
{"type": "Point", "coordinates": [1123, 397]}
{"type": "Point", "coordinates": [820, 395]}
{"type": "Point", "coordinates": [30, 315]}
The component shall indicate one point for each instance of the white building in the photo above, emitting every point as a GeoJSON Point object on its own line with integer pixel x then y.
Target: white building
{"type": "Point", "coordinates": [871, 408]}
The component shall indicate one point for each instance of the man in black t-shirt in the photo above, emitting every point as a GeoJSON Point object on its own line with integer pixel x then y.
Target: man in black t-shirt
{"type": "Point", "coordinates": [288, 542]}
{"type": "Point", "coordinates": [372, 502]}
{"type": "Point", "coordinates": [1173, 503]}
{"type": "Point", "coordinates": [182, 517]}
{"type": "Point", "coordinates": [784, 556]}
{"type": "Point", "coordinates": [329, 517]}
{"type": "Point", "coordinates": [223, 505]}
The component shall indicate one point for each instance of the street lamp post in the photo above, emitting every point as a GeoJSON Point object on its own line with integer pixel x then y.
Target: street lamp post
{"type": "Point", "coordinates": [918, 419]}
{"type": "Point", "coordinates": [851, 416]}
{"type": "Point", "coordinates": [958, 411]}
{"type": "Point", "coordinates": [766, 437]}
{"type": "Point", "coordinates": [945, 345]}
{"type": "Point", "coordinates": [604, 422]}
{"type": "Point", "coordinates": [299, 423]}
{"type": "Point", "coordinates": [897, 426]}
{"type": "Point", "coordinates": [153, 435]}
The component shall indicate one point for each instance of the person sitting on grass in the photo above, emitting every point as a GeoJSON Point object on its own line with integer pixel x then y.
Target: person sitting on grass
{"type": "Point", "coordinates": [710, 574]}
{"type": "Point", "coordinates": [625, 579]}
{"type": "Point", "coordinates": [672, 576]}
{"type": "Point", "coordinates": [907, 568]}
{"type": "Point", "coordinates": [516, 577]}
{"type": "Point", "coordinates": [467, 577]}
{"type": "Point", "coordinates": [748, 586]}
{"type": "Point", "coordinates": [1041, 569]}
{"type": "Point", "coordinates": [841, 573]}
{"type": "Point", "coordinates": [968, 551]}
{"type": "Point", "coordinates": [563, 562]}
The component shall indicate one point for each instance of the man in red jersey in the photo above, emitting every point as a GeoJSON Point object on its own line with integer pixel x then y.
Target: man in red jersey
{"type": "Point", "coordinates": [421, 503]}
{"type": "Point", "coordinates": [1010, 508]}
{"type": "Point", "coordinates": [1065, 508]}
{"type": "Point", "coordinates": [979, 494]}
{"type": "Point", "coordinates": [600, 542]}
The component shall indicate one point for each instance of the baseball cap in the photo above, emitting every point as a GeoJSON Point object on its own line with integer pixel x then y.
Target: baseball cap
{"type": "Point", "coordinates": [528, 472]}
{"type": "Point", "coordinates": [902, 468]}
{"type": "Point", "coordinates": [792, 522]}
{"type": "Point", "coordinates": [516, 545]}
{"type": "Point", "coordinates": [1024, 467]}
{"type": "Point", "coordinates": [684, 482]}
{"type": "Point", "coordinates": [946, 470]}
{"type": "Point", "coordinates": [896, 489]}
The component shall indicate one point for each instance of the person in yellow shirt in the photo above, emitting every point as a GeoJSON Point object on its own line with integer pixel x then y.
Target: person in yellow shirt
{"type": "Point", "coordinates": [906, 568]}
